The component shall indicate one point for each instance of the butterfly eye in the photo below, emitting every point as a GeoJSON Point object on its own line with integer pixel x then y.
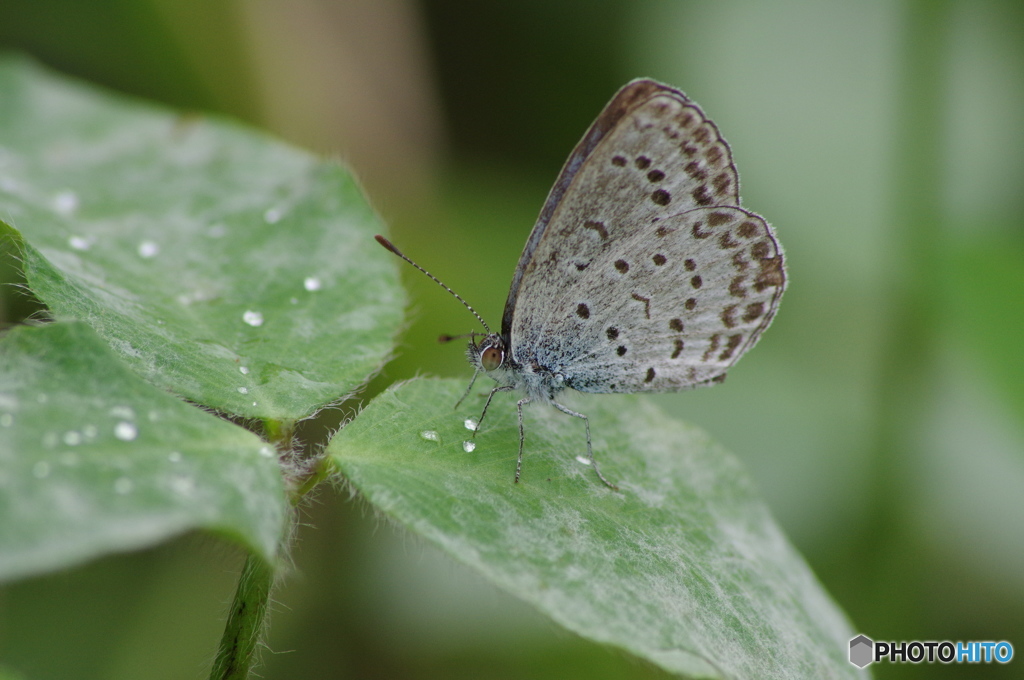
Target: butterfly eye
{"type": "Point", "coordinates": [491, 358]}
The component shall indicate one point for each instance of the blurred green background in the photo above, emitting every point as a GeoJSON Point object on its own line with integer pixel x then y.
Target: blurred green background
{"type": "Point", "coordinates": [882, 415]}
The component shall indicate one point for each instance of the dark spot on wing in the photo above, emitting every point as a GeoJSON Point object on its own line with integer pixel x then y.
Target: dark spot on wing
{"type": "Point", "coordinates": [728, 316]}
{"type": "Point", "coordinates": [701, 196]}
{"type": "Point", "coordinates": [598, 227]}
{"type": "Point", "coordinates": [722, 182]}
{"type": "Point", "coordinates": [770, 274]}
{"type": "Point", "coordinates": [694, 170]}
{"type": "Point", "coordinates": [582, 311]}
{"type": "Point", "coordinates": [736, 287]}
{"type": "Point", "coordinates": [730, 347]}
{"type": "Point", "coordinates": [717, 219]}
{"type": "Point", "coordinates": [622, 266]}
{"type": "Point", "coordinates": [726, 241]}
{"type": "Point", "coordinates": [748, 229]}
{"type": "Point", "coordinates": [712, 348]}
{"type": "Point", "coordinates": [753, 312]}
{"type": "Point", "coordinates": [646, 301]}
{"type": "Point", "coordinates": [760, 250]}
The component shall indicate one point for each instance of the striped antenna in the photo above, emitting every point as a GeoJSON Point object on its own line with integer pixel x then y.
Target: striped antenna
{"type": "Point", "coordinates": [391, 246]}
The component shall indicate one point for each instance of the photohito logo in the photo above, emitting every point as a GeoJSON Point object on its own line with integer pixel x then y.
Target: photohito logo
{"type": "Point", "coordinates": [864, 650]}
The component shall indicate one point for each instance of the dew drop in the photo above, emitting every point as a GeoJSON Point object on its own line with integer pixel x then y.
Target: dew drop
{"type": "Point", "coordinates": [471, 424]}
{"type": "Point", "coordinates": [79, 242]}
{"type": "Point", "coordinates": [42, 398]}
{"type": "Point", "coordinates": [217, 231]}
{"type": "Point", "coordinates": [312, 283]}
{"type": "Point", "coordinates": [254, 319]}
{"type": "Point", "coordinates": [69, 459]}
{"type": "Point", "coordinates": [123, 485]}
{"type": "Point", "coordinates": [266, 452]}
{"type": "Point", "coordinates": [90, 431]}
{"type": "Point", "coordinates": [430, 435]}
{"type": "Point", "coordinates": [243, 390]}
{"type": "Point", "coordinates": [41, 470]}
{"type": "Point", "coordinates": [50, 439]}
{"type": "Point", "coordinates": [126, 431]}
{"type": "Point", "coordinates": [149, 249]}
{"type": "Point", "coordinates": [174, 456]}
{"type": "Point", "coordinates": [468, 446]}
{"type": "Point", "coordinates": [273, 215]}
{"type": "Point", "coordinates": [583, 459]}
{"type": "Point", "coordinates": [72, 438]}
{"type": "Point", "coordinates": [65, 203]}
{"type": "Point", "coordinates": [244, 370]}
{"type": "Point", "coordinates": [154, 416]}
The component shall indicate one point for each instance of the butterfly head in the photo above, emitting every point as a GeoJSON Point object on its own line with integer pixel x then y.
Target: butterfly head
{"type": "Point", "coordinates": [487, 355]}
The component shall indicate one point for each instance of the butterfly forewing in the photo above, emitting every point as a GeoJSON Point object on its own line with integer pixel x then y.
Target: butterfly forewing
{"type": "Point", "coordinates": [643, 274]}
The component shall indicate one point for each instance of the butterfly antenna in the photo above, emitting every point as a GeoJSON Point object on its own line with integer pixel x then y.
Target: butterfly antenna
{"type": "Point", "coordinates": [448, 338]}
{"type": "Point", "coordinates": [391, 246]}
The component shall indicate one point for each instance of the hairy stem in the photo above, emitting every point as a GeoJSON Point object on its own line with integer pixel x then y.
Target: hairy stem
{"type": "Point", "coordinates": [238, 647]}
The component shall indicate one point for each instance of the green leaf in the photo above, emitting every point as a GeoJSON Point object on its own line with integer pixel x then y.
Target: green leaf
{"type": "Point", "coordinates": [222, 265]}
{"type": "Point", "coordinates": [684, 567]}
{"type": "Point", "coordinates": [94, 460]}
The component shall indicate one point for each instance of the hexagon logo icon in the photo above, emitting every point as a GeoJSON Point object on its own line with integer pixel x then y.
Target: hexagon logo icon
{"type": "Point", "coordinates": [861, 651]}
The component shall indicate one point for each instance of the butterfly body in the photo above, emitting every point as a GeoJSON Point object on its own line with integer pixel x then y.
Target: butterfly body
{"type": "Point", "coordinates": [537, 381]}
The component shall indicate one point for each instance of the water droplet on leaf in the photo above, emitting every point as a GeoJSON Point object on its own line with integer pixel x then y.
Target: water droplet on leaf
{"type": "Point", "coordinates": [126, 431]}
{"type": "Point", "coordinates": [254, 319]}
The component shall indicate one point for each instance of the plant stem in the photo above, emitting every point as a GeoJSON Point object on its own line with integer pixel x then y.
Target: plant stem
{"type": "Point", "coordinates": [238, 647]}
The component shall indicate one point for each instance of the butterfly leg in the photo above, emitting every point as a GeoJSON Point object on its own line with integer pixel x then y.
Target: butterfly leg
{"type": "Point", "coordinates": [499, 388]}
{"type": "Point", "coordinates": [522, 435]}
{"type": "Point", "coordinates": [590, 449]}
{"type": "Point", "coordinates": [466, 393]}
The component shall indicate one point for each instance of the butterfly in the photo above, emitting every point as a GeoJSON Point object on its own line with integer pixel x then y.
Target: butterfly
{"type": "Point", "coordinates": [642, 272]}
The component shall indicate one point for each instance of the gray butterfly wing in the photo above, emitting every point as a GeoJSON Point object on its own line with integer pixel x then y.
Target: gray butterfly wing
{"type": "Point", "coordinates": [643, 274]}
